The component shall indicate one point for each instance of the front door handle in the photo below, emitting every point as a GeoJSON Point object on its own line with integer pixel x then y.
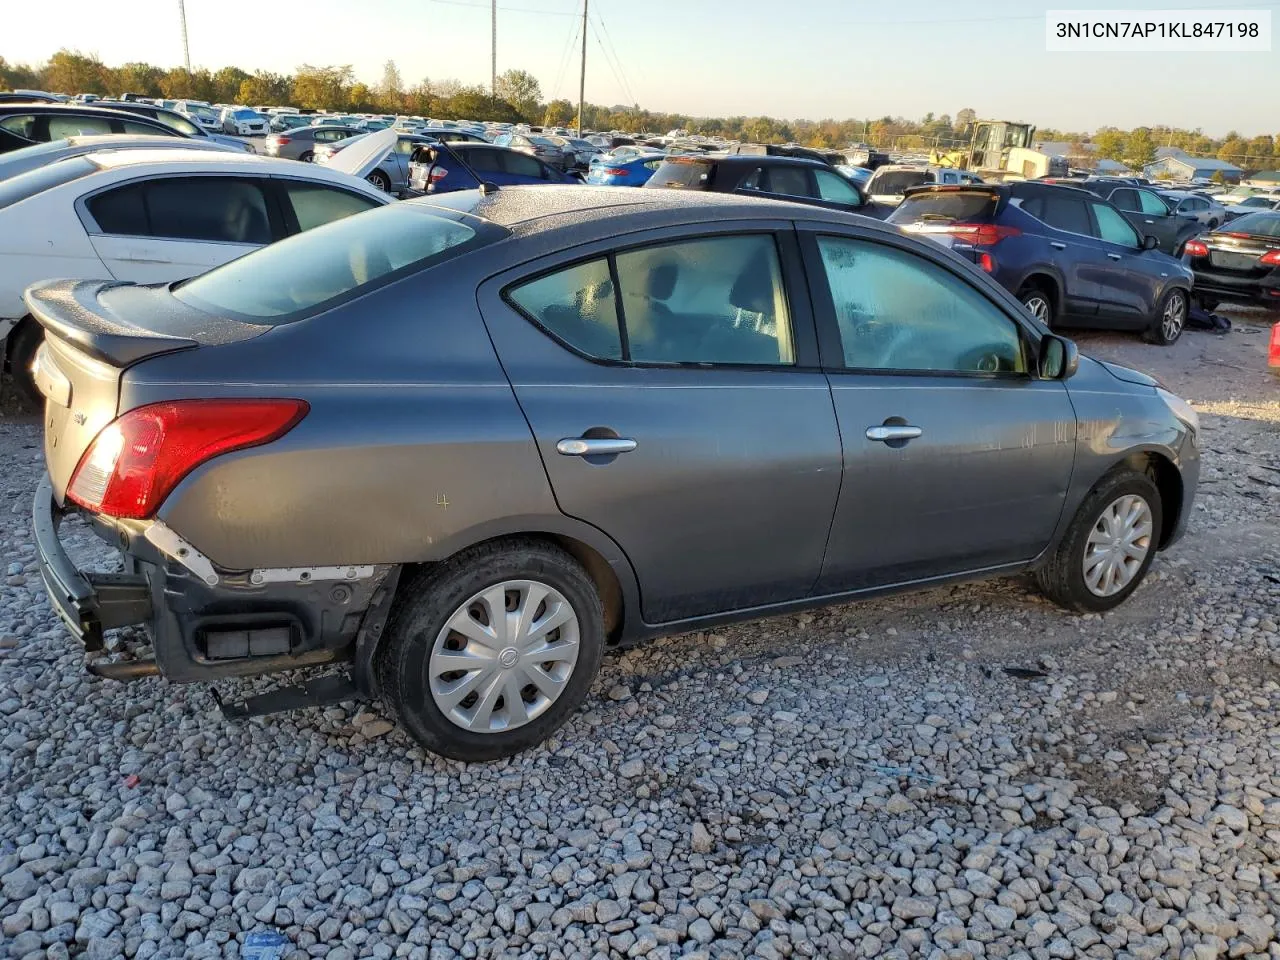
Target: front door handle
{"type": "Point", "coordinates": [1148, 221]}
{"type": "Point", "coordinates": [887, 434]}
{"type": "Point", "coordinates": [594, 446]}
{"type": "Point", "coordinates": [1113, 256]}
{"type": "Point", "coordinates": [1057, 244]}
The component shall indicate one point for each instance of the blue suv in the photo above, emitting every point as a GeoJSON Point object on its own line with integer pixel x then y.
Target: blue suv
{"type": "Point", "coordinates": [1071, 257]}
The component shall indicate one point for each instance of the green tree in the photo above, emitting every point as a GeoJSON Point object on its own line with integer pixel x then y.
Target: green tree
{"type": "Point", "coordinates": [522, 90]}
{"type": "Point", "coordinates": [361, 98]}
{"type": "Point", "coordinates": [266, 87]}
{"type": "Point", "coordinates": [140, 78]}
{"type": "Point", "coordinates": [1139, 148]}
{"type": "Point", "coordinates": [558, 113]}
{"type": "Point", "coordinates": [71, 72]}
{"type": "Point", "coordinates": [322, 88]}
{"type": "Point", "coordinates": [391, 90]}
{"type": "Point", "coordinates": [226, 84]}
{"type": "Point", "coordinates": [965, 119]}
{"type": "Point", "coordinates": [1261, 150]}
{"type": "Point", "coordinates": [1111, 143]}
{"type": "Point", "coordinates": [1234, 151]}
{"type": "Point", "coordinates": [17, 76]}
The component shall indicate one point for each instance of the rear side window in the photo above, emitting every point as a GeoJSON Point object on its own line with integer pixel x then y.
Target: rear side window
{"type": "Point", "coordinates": [121, 211]}
{"type": "Point", "coordinates": [24, 126]}
{"type": "Point", "coordinates": [481, 161]}
{"type": "Point", "coordinates": [1061, 212]}
{"type": "Point", "coordinates": [1126, 200]}
{"type": "Point", "coordinates": [946, 206]}
{"type": "Point", "coordinates": [790, 181]}
{"type": "Point", "coordinates": [521, 164]}
{"type": "Point", "coordinates": [315, 206]}
{"type": "Point", "coordinates": [72, 126]}
{"type": "Point", "coordinates": [217, 209]}
{"type": "Point", "coordinates": [323, 267]}
{"type": "Point", "coordinates": [578, 306]}
{"type": "Point", "coordinates": [686, 174]}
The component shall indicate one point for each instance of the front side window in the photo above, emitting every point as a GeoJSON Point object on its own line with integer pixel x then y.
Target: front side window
{"type": "Point", "coordinates": [22, 125]}
{"type": "Point", "coordinates": [717, 300]}
{"type": "Point", "coordinates": [835, 188]}
{"type": "Point", "coordinates": [176, 121]}
{"type": "Point", "coordinates": [521, 164]}
{"type": "Point", "coordinates": [314, 206]}
{"type": "Point", "coordinates": [897, 311]}
{"type": "Point", "coordinates": [1114, 228]}
{"type": "Point", "coordinates": [1063, 213]}
{"type": "Point", "coordinates": [1152, 205]}
{"type": "Point", "coordinates": [338, 261]}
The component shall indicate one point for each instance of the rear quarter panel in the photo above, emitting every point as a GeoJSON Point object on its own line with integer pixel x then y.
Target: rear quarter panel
{"type": "Point", "coordinates": [42, 239]}
{"type": "Point", "coordinates": [414, 444]}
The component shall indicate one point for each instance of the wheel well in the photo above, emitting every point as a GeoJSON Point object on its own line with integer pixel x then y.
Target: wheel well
{"type": "Point", "coordinates": [596, 566]}
{"type": "Point", "coordinates": [1045, 284]}
{"type": "Point", "coordinates": [1168, 481]}
{"type": "Point", "coordinates": [12, 337]}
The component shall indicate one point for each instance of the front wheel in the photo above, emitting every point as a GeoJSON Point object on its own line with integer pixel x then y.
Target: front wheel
{"type": "Point", "coordinates": [490, 651]}
{"type": "Point", "coordinates": [1039, 303]}
{"type": "Point", "coordinates": [1108, 547]}
{"type": "Point", "coordinates": [1170, 319]}
{"type": "Point", "coordinates": [380, 180]}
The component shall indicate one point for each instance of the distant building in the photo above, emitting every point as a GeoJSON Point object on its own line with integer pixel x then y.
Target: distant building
{"type": "Point", "coordinates": [1263, 178]}
{"type": "Point", "coordinates": [1174, 163]}
{"type": "Point", "coordinates": [1087, 159]}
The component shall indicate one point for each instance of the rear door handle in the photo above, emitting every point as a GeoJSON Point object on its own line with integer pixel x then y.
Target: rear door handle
{"type": "Point", "coordinates": [884, 434]}
{"type": "Point", "coordinates": [1113, 256]}
{"type": "Point", "coordinates": [1148, 221]}
{"type": "Point", "coordinates": [594, 446]}
{"type": "Point", "coordinates": [1057, 244]}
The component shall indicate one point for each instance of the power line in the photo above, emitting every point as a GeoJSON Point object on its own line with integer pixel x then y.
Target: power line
{"type": "Point", "coordinates": [609, 37]}
{"type": "Point", "coordinates": [487, 6]}
{"type": "Point", "coordinates": [622, 84]}
{"type": "Point", "coordinates": [564, 59]}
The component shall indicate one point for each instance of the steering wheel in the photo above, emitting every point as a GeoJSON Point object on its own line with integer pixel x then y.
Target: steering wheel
{"type": "Point", "coordinates": [986, 359]}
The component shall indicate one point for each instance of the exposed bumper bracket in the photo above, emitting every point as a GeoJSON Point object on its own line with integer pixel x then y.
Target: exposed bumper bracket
{"type": "Point", "coordinates": [331, 688]}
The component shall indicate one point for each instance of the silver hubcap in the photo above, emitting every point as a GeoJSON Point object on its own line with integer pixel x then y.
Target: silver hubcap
{"type": "Point", "coordinates": [1118, 545]}
{"type": "Point", "coordinates": [376, 180]}
{"type": "Point", "coordinates": [1039, 308]}
{"type": "Point", "coordinates": [1175, 312]}
{"type": "Point", "coordinates": [504, 657]}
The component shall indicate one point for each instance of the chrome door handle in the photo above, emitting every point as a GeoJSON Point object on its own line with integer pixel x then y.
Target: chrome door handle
{"type": "Point", "coordinates": [1148, 221]}
{"type": "Point", "coordinates": [1057, 245]}
{"type": "Point", "coordinates": [1113, 256]}
{"type": "Point", "coordinates": [885, 434]}
{"type": "Point", "coordinates": [594, 446]}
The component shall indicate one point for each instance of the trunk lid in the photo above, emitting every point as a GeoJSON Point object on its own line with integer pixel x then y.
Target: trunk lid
{"type": "Point", "coordinates": [1239, 252]}
{"type": "Point", "coordinates": [361, 155]}
{"type": "Point", "coordinates": [89, 344]}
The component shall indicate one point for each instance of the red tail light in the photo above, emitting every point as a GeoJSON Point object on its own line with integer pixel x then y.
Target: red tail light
{"type": "Point", "coordinates": [1196, 248]}
{"type": "Point", "coordinates": [137, 460]}
{"type": "Point", "coordinates": [615, 171]}
{"type": "Point", "coordinates": [978, 234]}
{"type": "Point", "coordinates": [438, 174]}
{"type": "Point", "coordinates": [280, 141]}
{"type": "Point", "coordinates": [1271, 259]}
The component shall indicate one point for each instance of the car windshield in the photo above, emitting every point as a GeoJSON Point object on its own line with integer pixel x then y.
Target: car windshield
{"type": "Point", "coordinates": [246, 115]}
{"type": "Point", "coordinates": [176, 121]}
{"type": "Point", "coordinates": [24, 185]}
{"type": "Point", "coordinates": [335, 262]}
{"type": "Point", "coordinates": [945, 206]}
{"type": "Point", "coordinates": [896, 181]}
{"type": "Point", "coordinates": [204, 113]}
{"type": "Point", "coordinates": [1257, 225]}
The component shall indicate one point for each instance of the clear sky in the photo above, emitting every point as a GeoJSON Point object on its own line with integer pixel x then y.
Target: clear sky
{"type": "Point", "coordinates": [804, 58]}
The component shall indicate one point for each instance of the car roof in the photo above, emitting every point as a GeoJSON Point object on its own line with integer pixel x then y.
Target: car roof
{"type": "Point", "coordinates": [743, 159]}
{"type": "Point", "coordinates": [84, 109]}
{"type": "Point", "coordinates": [211, 161]}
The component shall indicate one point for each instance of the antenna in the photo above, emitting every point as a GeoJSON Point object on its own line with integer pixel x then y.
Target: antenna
{"type": "Point", "coordinates": [186, 49]}
{"type": "Point", "coordinates": [493, 54]}
{"type": "Point", "coordinates": [582, 77]}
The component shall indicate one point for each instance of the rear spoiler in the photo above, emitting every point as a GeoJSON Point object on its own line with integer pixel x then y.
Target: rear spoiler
{"type": "Point", "coordinates": [72, 311]}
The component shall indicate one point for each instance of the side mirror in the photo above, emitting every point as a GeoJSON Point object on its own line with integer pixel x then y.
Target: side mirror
{"type": "Point", "coordinates": [1149, 242]}
{"type": "Point", "coordinates": [1059, 359]}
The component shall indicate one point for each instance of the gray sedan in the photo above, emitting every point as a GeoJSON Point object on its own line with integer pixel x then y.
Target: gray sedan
{"type": "Point", "coordinates": [301, 142]}
{"type": "Point", "coordinates": [460, 446]}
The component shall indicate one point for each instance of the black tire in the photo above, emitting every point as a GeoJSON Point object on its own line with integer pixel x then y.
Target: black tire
{"type": "Point", "coordinates": [380, 180]}
{"type": "Point", "coordinates": [307, 156]}
{"type": "Point", "coordinates": [1163, 330]}
{"type": "Point", "coordinates": [1213, 224]}
{"type": "Point", "coordinates": [1040, 302]}
{"type": "Point", "coordinates": [1062, 577]}
{"type": "Point", "coordinates": [20, 349]}
{"type": "Point", "coordinates": [426, 603]}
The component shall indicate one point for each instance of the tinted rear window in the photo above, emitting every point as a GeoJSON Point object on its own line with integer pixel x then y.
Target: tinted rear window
{"type": "Point", "coordinates": [897, 181]}
{"type": "Point", "coordinates": [689, 174]}
{"type": "Point", "coordinates": [24, 185]}
{"type": "Point", "coordinates": [330, 264]}
{"type": "Point", "coordinates": [1254, 224]}
{"type": "Point", "coordinates": [966, 205]}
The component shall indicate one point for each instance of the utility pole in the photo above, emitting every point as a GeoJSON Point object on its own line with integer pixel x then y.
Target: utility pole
{"type": "Point", "coordinates": [493, 54]}
{"type": "Point", "coordinates": [186, 49]}
{"type": "Point", "coordinates": [582, 77]}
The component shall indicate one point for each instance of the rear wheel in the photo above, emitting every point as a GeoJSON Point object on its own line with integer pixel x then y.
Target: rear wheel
{"type": "Point", "coordinates": [380, 180]}
{"type": "Point", "coordinates": [1170, 319]}
{"type": "Point", "coordinates": [307, 156]}
{"type": "Point", "coordinates": [1108, 547]}
{"type": "Point", "coordinates": [1039, 302]}
{"type": "Point", "coordinates": [20, 350]}
{"type": "Point", "coordinates": [490, 651]}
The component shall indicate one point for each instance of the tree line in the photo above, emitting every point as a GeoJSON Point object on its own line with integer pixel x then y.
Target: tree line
{"type": "Point", "coordinates": [518, 98]}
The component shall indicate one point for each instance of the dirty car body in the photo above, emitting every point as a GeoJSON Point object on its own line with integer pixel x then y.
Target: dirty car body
{"type": "Point", "coordinates": [479, 415]}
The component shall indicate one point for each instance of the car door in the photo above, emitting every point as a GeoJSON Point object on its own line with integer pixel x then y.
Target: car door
{"type": "Point", "coordinates": [1079, 257]}
{"type": "Point", "coordinates": [1157, 221]}
{"type": "Point", "coordinates": [957, 458]}
{"type": "Point", "coordinates": [672, 385]}
{"type": "Point", "coordinates": [170, 228]}
{"type": "Point", "coordinates": [1127, 282]}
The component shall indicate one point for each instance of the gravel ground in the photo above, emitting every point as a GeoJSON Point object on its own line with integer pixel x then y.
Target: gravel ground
{"type": "Point", "coordinates": [866, 781]}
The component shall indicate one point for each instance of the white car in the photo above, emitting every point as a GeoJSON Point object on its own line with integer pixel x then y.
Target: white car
{"type": "Point", "coordinates": [158, 215]}
{"type": "Point", "coordinates": [243, 122]}
{"type": "Point", "coordinates": [197, 111]}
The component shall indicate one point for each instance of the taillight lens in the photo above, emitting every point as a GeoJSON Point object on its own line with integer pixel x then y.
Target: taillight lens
{"type": "Point", "coordinates": [615, 171]}
{"type": "Point", "coordinates": [1196, 248]}
{"type": "Point", "coordinates": [280, 141]}
{"type": "Point", "coordinates": [137, 460]}
{"type": "Point", "coordinates": [977, 234]}
{"type": "Point", "coordinates": [1271, 259]}
{"type": "Point", "coordinates": [438, 174]}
